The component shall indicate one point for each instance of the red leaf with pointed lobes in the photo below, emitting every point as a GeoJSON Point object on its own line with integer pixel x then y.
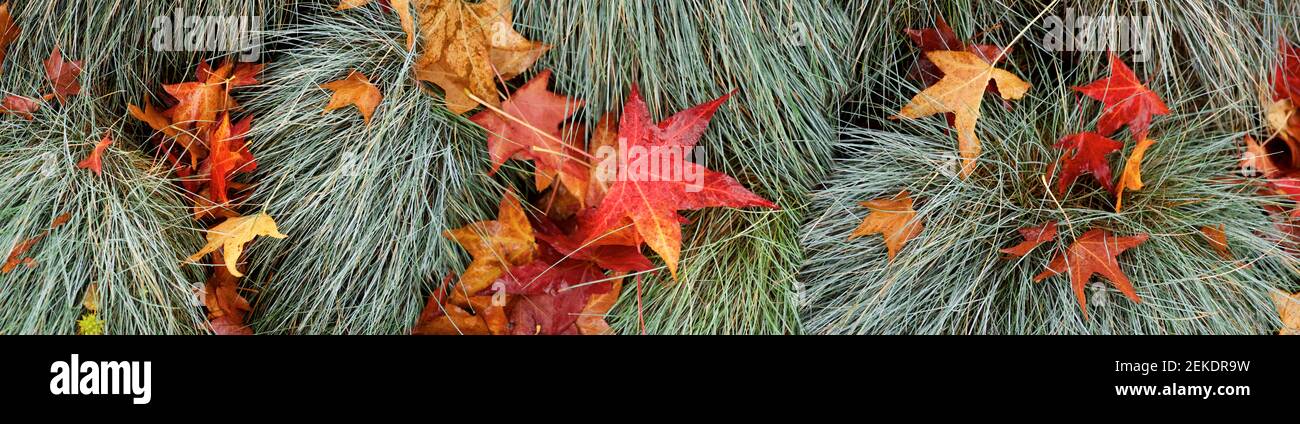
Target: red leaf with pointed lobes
{"type": "Point", "coordinates": [1286, 75]}
{"type": "Point", "coordinates": [614, 257]}
{"type": "Point", "coordinates": [651, 199]}
{"type": "Point", "coordinates": [1086, 152]}
{"type": "Point", "coordinates": [1094, 253]}
{"type": "Point", "coordinates": [63, 75]}
{"type": "Point", "coordinates": [1033, 236]}
{"type": "Point", "coordinates": [1127, 101]}
{"type": "Point", "coordinates": [530, 130]}
{"type": "Point", "coordinates": [95, 162]}
{"type": "Point", "coordinates": [229, 156]}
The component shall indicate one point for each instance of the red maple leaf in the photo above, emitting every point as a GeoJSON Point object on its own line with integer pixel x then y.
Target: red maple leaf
{"type": "Point", "coordinates": [530, 130]}
{"type": "Point", "coordinates": [229, 155]}
{"type": "Point", "coordinates": [199, 103]}
{"type": "Point", "coordinates": [1033, 236]}
{"type": "Point", "coordinates": [613, 257]}
{"type": "Point", "coordinates": [1127, 101]}
{"type": "Point", "coordinates": [1086, 152]}
{"type": "Point", "coordinates": [940, 38]}
{"type": "Point", "coordinates": [1286, 75]}
{"type": "Point", "coordinates": [234, 76]}
{"type": "Point", "coordinates": [63, 75]}
{"type": "Point", "coordinates": [649, 198]}
{"type": "Point", "coordinates": [1094, 253]}
{"type": "Point", "coordinates": [95, 162]}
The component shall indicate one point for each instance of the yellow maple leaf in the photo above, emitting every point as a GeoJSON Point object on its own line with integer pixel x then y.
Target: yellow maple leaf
{"type": "Point", "coordinates": [355, 90]}
{"type": "Point", "coordinates": [892, 218]}
{"type": "Point", "coordinates": [467, 46]}
{"type": "Point", "coordinates": [232, 234]}
{"type": "Point", "coordinates": [494, 245]}
{"type": "Point", "coordinates": [960, 92]}
{"type": "Point", "coordinates": [1131, 177]}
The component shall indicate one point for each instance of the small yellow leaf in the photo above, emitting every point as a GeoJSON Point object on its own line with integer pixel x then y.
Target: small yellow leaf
{"type": "Point", "coordinates": [355, 90]}
{"type": "Point", "coordinates": [894, 219]}
{"type": "Point", "coordinates": [1131, 177]}
{"type": "Point", "coordinates": [232, 234]}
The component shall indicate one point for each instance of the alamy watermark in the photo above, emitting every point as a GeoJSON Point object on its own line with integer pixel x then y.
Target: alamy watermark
{"type": "Point", "coordinates": [232, 34]}
{"type": "Point", "coordinates": [1099, 33]}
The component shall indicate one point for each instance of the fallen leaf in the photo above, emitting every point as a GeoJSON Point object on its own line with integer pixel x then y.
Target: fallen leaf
{"type": "Point", "coordinates": [591, 321]}
{"type": "Point", "coordinates": [603, 148]}
{"type": "Point", "coordinates": [1288, 310]}
{"type": "Point", "coordinates": [232, 234]}
{"type": "Point", "coordinates": [941, 38]}
{"type": "Point", "coordinates": [1131, 177]}
{"type": "Point", "coordinates": [95, 162]}
{"type": "Point", "coordinates": [894, 219]}
{"type": "Point", "coordinates": [199, 103]}
{"type": "Point", "coordinates": [466, 46]}
{"type": "Point", "coordinates": [1257, 161]}
{"type": "Point", "coordinates": [650, 196]}
{"type": "Point", "coordinates": [90, 299]}
{"type": "Point", "coordinates": [19, 105]}
{"type": "Point", "coordinates": [1286, 74]}
{"type": "Point", "coordinates": [229, 155]}
{"type": "Point", "coordinates": [1086, 152]}
{"type": "Point", "coordinates": [9, 32]}
{"type": "Point", "coordinates": [227, 310]}
{"type": "Point", "coordinates": [1284, 120]}
{"type": "Point", "coordinates": [63, 75]}
{"type": "Point", "coordinates": [1033, 236]}
{"type": "Point", "coordinates": [1094, 253]}
{"type": "Point", "coordinates": [401, 7]}
{"type": "Point", "coordinates": [355, 90]}
{"type": "Point", "coordinates": [1218, 240]}
{"type": "Point", "coordinates": [527, 127]}
{"type": "Point", "coordinates": [495, 246]}
{"type": "Point", "coordinates": [16, 257]}
{"type": "Point", "coordinates": [960, 92]}
{"type": "Point", "coordinates": [1127, 101]}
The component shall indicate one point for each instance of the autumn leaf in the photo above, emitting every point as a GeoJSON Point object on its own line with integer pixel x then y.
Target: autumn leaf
{"type": "Point", "coordinates": [614, 257]}
{"type": "Point", "coordinates": [1033, 236]}
{"type": "Point", "coordinates": [229, 155]}
{"type": "Point", "coordinates": [63, 75]}
{"type": "Point", "coordinates": [1256, 160]}
{"type": "Point", "coordinates": [19, 105]}
{"type": "Point", "coordinates": [1286, 74]}
{"type": "Point", "coordinates": [355, 90]}
{"type": "Point", "coordinates": [1127, 101]}
{"type": "Point", "coordinates": [591, 320]}
{"type": "Point", "coordinates": [1086, 152]}
{"type": "Point", "coordinates": [648, 197]}
{"type": "Point", "coordinates": [1218, 240]}
{"type": "Point", "coordinates": [17, 254]}
{"type": "Point", "coordinates": [603, 148]}
{"type": "Point", "coordinates": [227, 310]}
{"type": "Point", "coordinates": [1284, 120]}
{"type": "Point", "coordinates": [941, 38]}
{"type": "Point", "coordinates": [894, 219]}
{"type": "Point", "coordinates": [527, 127]}
{"type": "Point", "coordinates": [960, 92]}
{"type": "Point", "coordinates": [495, 246]}
{"type": "Point", "coordinates": [232, 234]}
{"type": "Point", "coordinates": [199, 103]}
{"type": "Point", "coordinates": [9, 32]}
{"type": "Point", "coordinates": [443, 316]}
{"type": "Point", "coordinates": [1288, 310]}
{"type": "Point", "coordinates": [1131, 177]}
{"type": "Point", "coordinates": [466, 46]}
{"type": "Point", "coordinates": [401, 7]}
{"type": "Point", "coordinates": [95, 161]}
{"type": "Point", "coordinates": [1094, 253]}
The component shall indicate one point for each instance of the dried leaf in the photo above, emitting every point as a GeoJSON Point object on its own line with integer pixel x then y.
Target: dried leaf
{"type": "Point", "coordinates": [892, 218]}
{"type": "Point", "coordinates": [527, 127]}
{"type": "Point", "coordinates": [1033, 236]}
{"type": "Point", "coordinates": [1218, 240]}
{"type": "Point", "coordinates": [19, 105]}
{"type": "Point", "coordinates": [1131, 177]}
{"type": "Point", "coordinates": [63, 75]}
{"type": "Point", "coordinates": [355, 90]}
{"type": "Point", "coordinates": [1094, 253]}
{"type": "Point", "coordinates": [494, 245]}
{"type": "Point", "coordinates": [1086, 152]}
{"type": "Point", "coordinates": [1288, 310]}
{"type": "Point", "coordinates": [95, 162]}
{"type": "Point", "coordinates": [9, 32]}
{"type": "Point", "coordinates": [466, 46]}
{"type": "Point", "coordinates": [232, 234]}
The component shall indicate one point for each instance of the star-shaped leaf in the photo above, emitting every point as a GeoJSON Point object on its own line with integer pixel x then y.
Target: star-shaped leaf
{"type": "Point", "coordinates": [467, 46]}
{"type": "Point", "coordinates": [1086, 152]}
{"type": "Point", "coordinates": [1033, 236]}
{"type": "Point", "coordinates": [960, 92]}
{"type": "Point", "coordinates": [63, 75]}
{"type": "Point", "coordinates": [892, 218]}
{"type": "Point", "coordinates": [648, 197]}
{"type": "Point", "coordinates": [527, 127]}
{"type": "Point", "coordinates": [232, 234]}
{"type": "Point", "coordinates": [355, 90]}
{"type": "Point", "coordinates": [495, 246]}
{"type": "Point", "coordinates": [1092, 253]}
{"type": "Point", "coordinates": [1127, 101]}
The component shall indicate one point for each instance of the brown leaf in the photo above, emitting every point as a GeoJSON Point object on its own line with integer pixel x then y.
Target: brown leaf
{"type": "Point", "coordinates": [1033, 236]}
{"type": "Point", "coordinates": [466, 46]}
{"type": "Point", "coordinates": [16, 255]}
{"type": "Point", "coordinates": [19, 105]}
{"type": "Point", "coordinates": [1218, 240]}
{"type": "Point", "coordinates": [494, 245]}
{"type": "Point", "coordinates": [592, 319]}
{"type": "Point", "coordinates": [892, 218]}
{"type": "Point", "coordinates": [63, 75]}
{"type": "Point", "coordinates": [355, 90]}
{"type": "Point", "coordinates": [1094, 253]}
{"type": "Point", "coordinates": [95, 162]}
{"type": "Point", "coordinates": [232, 234]}
{"type": "Point", "coordinates": [9, 32]}
{"type": "Point", "coordinates": [1288, 310]}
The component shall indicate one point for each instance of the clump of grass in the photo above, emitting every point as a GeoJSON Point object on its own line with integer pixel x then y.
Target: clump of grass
{"type": "Point", "coordinates": [364, 206]}
{"type": "Point", "coordinates": [786, 61]}
{"type": "Point", "coordinates": [953, 280]}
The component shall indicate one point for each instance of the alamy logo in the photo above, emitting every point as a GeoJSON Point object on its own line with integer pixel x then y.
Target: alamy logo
{"type": "Point", "coordinates": [1099, 33]}
{"type": "Point", "coordinates": [234, 34]}
{"type": "Point", "coordinates": [102, 378]}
